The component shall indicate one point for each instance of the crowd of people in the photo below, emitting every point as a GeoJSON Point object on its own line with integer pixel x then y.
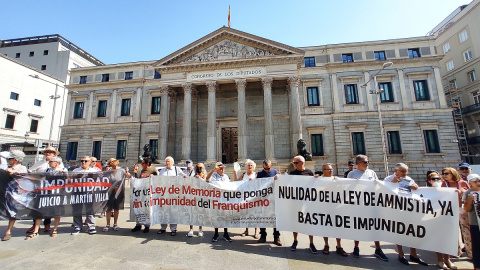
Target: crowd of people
{"type": "Point", "coordinates": [466, 183]}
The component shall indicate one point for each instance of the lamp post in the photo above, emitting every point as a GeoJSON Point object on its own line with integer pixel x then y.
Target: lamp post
{"type": "Point", "coordinates": [54, 97]}
{"type": "Point", "coordinates": [378, 92]}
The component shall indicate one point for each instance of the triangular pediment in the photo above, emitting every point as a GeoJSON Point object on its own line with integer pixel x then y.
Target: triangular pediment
{"type": "Point", "coordinates": [227, 44]}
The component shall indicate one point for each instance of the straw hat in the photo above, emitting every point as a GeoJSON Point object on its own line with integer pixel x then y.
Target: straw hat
{"type": "Point", "coordinates": [51, 149]}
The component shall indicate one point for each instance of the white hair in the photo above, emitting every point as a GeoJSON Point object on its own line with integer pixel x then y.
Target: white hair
{"type": "Point", "coordinates": [302, 159]}
{"type": "Point", "coordinates": [248, 161]}
{"type": "Point", "coordinates": [401, 165]}
{"type": "Point", "coordinates": [171, 158]}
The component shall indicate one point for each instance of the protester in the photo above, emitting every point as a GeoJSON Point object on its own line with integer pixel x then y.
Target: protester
{"type": "Point", "coordinates": [77, 219]}
{"type": "Point", "coordinates": [351, 167]}
{"type": "Point", "coordinates": [135, 170]}
{"type": "Point", "coordinates": [217, 174]}
{"type": "Point", "coordinates": [14, 159]}
{"type": "Point", "coordinates": [405, 183]}
{"type": "Point", "coordinates": [268, 171]}
{"type": "Point", "coordinates": [95, 164]}
{"type": "Point", "coordinates": [434, 179]}
{"type": "Point", "coordinates": [170, 170]}
{"type": "Point", "coordinates": [464, 170]}
{"type": "Point", "coordinates": [189, 171]}
{"type": "Point", "coordinates": [146, 172]}
{"type": "Point", "coordinates": [116, 194]}
{"type": "Point", "coordinates": [327, 170]}
{"type": "Point", "coordinates": [200, 173]}
{"type": "Point", "coordinates": [299, 166]}
{"type": "Point", "coordinates": [363, 172]}
{"type": "Point", "coordinates": [470, 201]}
{"type": "Point", "coordinates": [55, 169]}
{"type": "Point", "coordinates": [250, 174]}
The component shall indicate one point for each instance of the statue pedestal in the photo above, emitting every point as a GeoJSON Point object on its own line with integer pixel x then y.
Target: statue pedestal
{"type": "Point", "coordinates": [310, 165]}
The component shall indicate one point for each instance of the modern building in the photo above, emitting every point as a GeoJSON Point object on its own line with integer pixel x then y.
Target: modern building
{"type": "Point", "coordinates": [232, 95]}
{"type": "Point", "coordinates": [458, 38]}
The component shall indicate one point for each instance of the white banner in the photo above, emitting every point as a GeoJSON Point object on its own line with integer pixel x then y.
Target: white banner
{"type": "Point", "coordinates": [140, 200]}
{"type": "Point", "coordinates": [368, 210]}
{"type": "Point", "coordinates": [192, 201]}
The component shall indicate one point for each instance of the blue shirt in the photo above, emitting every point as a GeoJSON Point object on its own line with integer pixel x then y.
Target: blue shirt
{"type": "Point", "coordinates": [264, 174]}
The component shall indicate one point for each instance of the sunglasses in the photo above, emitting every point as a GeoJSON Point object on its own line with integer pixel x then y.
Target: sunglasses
{"type": "Point", "coordinates": [435, 178]}
{"type": "Point", "coordinates": [366, 161]}
{"type": "Point", "coordinates": [84, 161]}
{"type": "Point", "coordinates": [463, 168]}
{"type": "Point", "coordinates": [296, 162]}
{"type": "Point", "coordinates": [267, 169]}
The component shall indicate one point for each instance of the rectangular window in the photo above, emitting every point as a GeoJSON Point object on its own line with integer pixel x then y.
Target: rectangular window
{"type": "Point", "coordinates": [309, 61]}
{"type": "Point", "coordinates": [105, 77]}
{"type": "Point", "coordinates": [347, 58]}
{"type": "Point", "coordinates": [414, 53]}
{"type": "Point", "coordinates": [45, 52]}
{"type": "Point", "coordinates": [317, 145]}
{"type": "Point", "coordinates": [44, 67]}
{"type": "Point", "coordinates": [37, 102]}
{"type": "Point", "coordinates": [14, 95]}
{"type": "Point", "coordinates": [351, 94]}
{"type": "Point", "coordinates": [421, 90]}
{"type": "Point", "coordinates": [78, 110]}
{"type": "Point", "coordinates": [431, 141]}
{"type": "Point", "coordinates": [83, 79]}
{"type": "Point", "coordinates": [476, 97]}
{"type": "Point", "coordinates": [97, 149]}
{"type": "Point", "coordinates": [72, 150]}
{"type": "Point", "coordinates": [453, 84]}
{"type": "Point", "coordinates": [313, 97]}
{"type": "Point", "coordinates": [156, 102]}
{"type": "Point", "coordinates": [386, 90]}
{"type": "Point", "coordinates": [125, 111]}
{"type": "Point", "coordinates": [471, 76]}
{"type": "Point", "coordinates": [380, 55]}
{"type": "Point", "coordinates": [446, 47]}
{"type": "Point", "coordinates": [394, 145]}
{"type": "Point", "coordinates": [10, 122]}
{"type": "Point", "coordinates": [358, 142]}
{"type": "Point", "coordinates": [154, 148]}
{"type": "Point", "coordinates": [32, 54]}
{"type": "Point", "coordinates": [463, 36]}
{"type": "Point", "coordinates": [17, 55]}
{"type": "Point", "coordinates": [129, 75]}
{"type": "Point", "coordinates": [102, 108]}
{"type": "Point", "coordinates": [34, 126]}
{"type": "Point", "coordinates": [157, 75]}
{"type": "Point", "coordinates": [121, 149]}
{"type": "Point", "coordinates": [467, 55]}
{"type": "Point", "coordinates": [450, 65]}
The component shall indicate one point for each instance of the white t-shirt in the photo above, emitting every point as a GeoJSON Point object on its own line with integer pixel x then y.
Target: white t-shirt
{"type": "Point", "coordinates": [42, 165]}
{"type": "Point", "coordinates": [367, 174]}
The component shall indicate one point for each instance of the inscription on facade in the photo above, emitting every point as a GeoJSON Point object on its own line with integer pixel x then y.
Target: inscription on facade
{"type": "Point", "coordinates": [226, 74]}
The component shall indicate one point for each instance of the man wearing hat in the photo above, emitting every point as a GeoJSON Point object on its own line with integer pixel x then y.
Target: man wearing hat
{"type": "Point", "coordinates": [15, 157]}
{"type": "Point", "coordinates": [464, 170]}
{"type": "Point", "coordinates": [189, 171]}
{"type": "Point", "coordinates": [351, 167]}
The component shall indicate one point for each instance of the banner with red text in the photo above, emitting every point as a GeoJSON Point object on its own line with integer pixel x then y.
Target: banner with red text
{"type": "Point", "coordinates": [193, 201]}
{"type": "Point", "coordinates": [367, 210]}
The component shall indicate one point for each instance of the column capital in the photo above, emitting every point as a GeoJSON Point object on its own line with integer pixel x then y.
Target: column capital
{"type": "Point", "coordinates": [267, 81]}
{"type": "Point", "coordinates": [164, 89]}
{"type": "Point", "coordinates": [293, 81]}
{"type": "Point", "coordinates": [172, 94]}
{"type": "Point", "coordinates": [241, 83]}
{"type": "Point", "coordinates": [212, 86]}
{"type": "Point", "coordinates": [188, 88]}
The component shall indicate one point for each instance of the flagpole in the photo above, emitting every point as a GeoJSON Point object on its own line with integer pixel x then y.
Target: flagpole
{"type": "Point", "coordinates": [228, 16]}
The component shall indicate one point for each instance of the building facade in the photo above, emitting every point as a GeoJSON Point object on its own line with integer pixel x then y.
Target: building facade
{"type": "Point", "coordinates": [231, 95]}
{"type": "Point", "coordinates": [458, 38]}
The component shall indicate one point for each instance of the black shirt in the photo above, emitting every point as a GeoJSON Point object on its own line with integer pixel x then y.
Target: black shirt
{"type": "Point", "coordinates": [305, 172]}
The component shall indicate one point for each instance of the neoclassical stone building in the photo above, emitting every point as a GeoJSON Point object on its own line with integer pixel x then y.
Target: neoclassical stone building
{"type": "Point", "coordinates": [231, 95]}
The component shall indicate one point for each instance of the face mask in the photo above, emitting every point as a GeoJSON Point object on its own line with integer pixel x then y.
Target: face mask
{"type": "Point", "coordinates": [437, 184]}
{"type": "Point", "coordinates": [189, 165]}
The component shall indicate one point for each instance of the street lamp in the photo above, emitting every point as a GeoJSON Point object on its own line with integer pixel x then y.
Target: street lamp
{"type": "Point", "coordinates": [378, 92]}
{"type": "Point", "coordinates": [54, 97]}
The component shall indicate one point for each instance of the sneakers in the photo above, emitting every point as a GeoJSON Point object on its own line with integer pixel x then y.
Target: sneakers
{"type": "Point", "coordinates": [356, 252]}
{"type": "Point", "coordinates": [380, 255]}
{"type": "Point", "coordinates": [137, 228]}
{"type": "Point", "coordinates": [190, 233]}
{"type": "Point", "coordinates": [294, 246]}
{"type": "Point", "coordinates": [76, 231]}
{"type": "Point", "coordinates": [277, 242]}
{"type": "Point", "coordinates": [215, 238]}
{"type": "Point", "coordinates": [92, 231]}
{"type": "Point", "coordinates": [227, 238]}
{"type": "Point", "coordinates": [200, 233]}
{"type": "Point", "coordinates": [147, 229]}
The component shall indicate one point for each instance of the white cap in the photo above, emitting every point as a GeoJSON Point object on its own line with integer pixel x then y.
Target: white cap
{"type": "Point", "coordinates": [16, 154]}
{"type": "Point", "coordinates": [473, 176]}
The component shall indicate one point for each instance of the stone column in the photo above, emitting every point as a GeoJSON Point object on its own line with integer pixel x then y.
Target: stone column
{"type": "Point", "coordinates": [90, 108]}
{"type": "Point", "coordinates": [138, 101]}
{"type": "Point", "coordinates": [295, 116]}
{"type": "Point", "coordinates": [440, 92]}
{"type": "Point", "coordinates": [163, 123]}
{"type": "Point", "coordinates": [187, 121]}
{"type": "Point", "coordinates": [67, 108]}
{"type": "Point", "coordinates": [268, 118]}
{"type": "Point", "coordinates": [212, 123]}
{"type": "Point", "coordinates": [403, 91]}
{"type": "Point", "coordinates": [242, 120]}
{"type": "Point", "coordinates": [113, 117]}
